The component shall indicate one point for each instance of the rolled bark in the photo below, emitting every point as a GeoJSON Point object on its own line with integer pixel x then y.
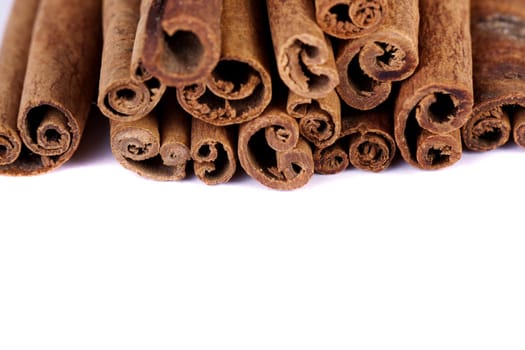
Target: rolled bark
{"type": "Point", "coordinates": [123, 96]}
{"type": "Point", "coordinates": [498, 42]}
{"type": "Point", "coordinates": [367, 66]}
{"type": "Point", "coordinates": [61, 80]}
{"type": "Point", "coordinates": [332, 159]}
{"type": "Point", "coordinates": [350, 19]}
{"type": "Point", "coordinates": [213, 150]}
{"type": "Point", "coordinates": [240, 86]}
{"type": "Point", "coordinates": [272, 151]}
{"type": "Point", "coordinates": [13, 63]}
{"type": "Point", "coordinates": [304, 56]}
{"type": "Point", "coordinates": [319, 119]}
{"type": "Point", "coordinates": [183, 39]}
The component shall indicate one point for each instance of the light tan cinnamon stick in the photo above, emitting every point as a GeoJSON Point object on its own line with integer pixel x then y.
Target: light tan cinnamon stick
{"type": "Point", "coordinates": [498, 41]}
{"type": "Point", "coordinates": [240, 87]}
{"type": "Point", "coordinates": [272, 152]}
{"type": "Point", "coordinates": [61, 80]}
{"type": "Point", "coordinates": [121, 95]}
{"type": "Point", "coordinates": [213, 150]}
{"type": "Point", "coordinates": [367, 66]}
{"type": "Point", "coordinates": [183, 39]}
{"type": "Point", "coordinates": [304, 56]}
{"type": "Point", "coordinates": [350, 19]}
{"type": "Point", "coordinates": [319, 119]}
{"type": "Point", "coordinates": [13, 62]}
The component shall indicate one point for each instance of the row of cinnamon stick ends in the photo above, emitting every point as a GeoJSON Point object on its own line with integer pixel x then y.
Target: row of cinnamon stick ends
{"type": "Point", "coordinates": [284, 88]}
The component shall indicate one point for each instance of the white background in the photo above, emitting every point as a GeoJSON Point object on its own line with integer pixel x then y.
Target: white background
{"type": "Point", "coordinates": [94, 257]}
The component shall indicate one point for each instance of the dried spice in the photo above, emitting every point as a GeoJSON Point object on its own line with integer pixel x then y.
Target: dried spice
{"type": "Point", "coordinates": [213, 150]}
{"type": "Point", "coordinates": [123, 96]}
{"type": "Point", "coordinates": [13, 63]}
{"type": "Point", "coordinates": [332, 159]}
{"type": "Point", "coordinates": [498, 42]}
{"type": "Point", "coordinates": [367, 66]}
{"type": "Point", "coordinates": [319, 119]}
{"type": "Point", "coordinates": [350, 19]}
{"type": "Point", "coordinates": [304, 56]}
{"type": "Point", "coordinates": [240, 86]}
{"type": "Point", "coordinates": [182, 39]}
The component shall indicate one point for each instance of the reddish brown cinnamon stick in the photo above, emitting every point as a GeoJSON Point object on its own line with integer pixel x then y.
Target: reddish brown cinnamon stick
{"type": "Point", "coordinates": [13, 62]}
{"type": "Point", "coordinates": [272, 152]}
{"type": "Point", "coordinates": [240, 87]}
{"type": "Point", "coordinates": [319, 119]}
{"type": "Point", "coordinates": [183, 39]}
{"type": "Point", "coordinates": [213, 152]}
{"type": "Point", "coordinates": [304, 56]}
{"type": "Point", "coordinates": [367, 66]}
{"type": "Point", "coordinates": [499, 74]}
{"type": "Point", "coordinates": [350, 19]}
{"type": "Point", "coordinates": [332, 159]}
{"type": "Point", "coordinates": [121, 95]}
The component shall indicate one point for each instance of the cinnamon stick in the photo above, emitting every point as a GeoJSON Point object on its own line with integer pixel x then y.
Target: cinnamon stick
{"type": "Point", "coordinates": [123, 95]}
{"type": "Point", "coordinates": [332, 159]}
{"type": "Point", "coordinates": [304, 56]}
{"type": "Point", "coordinates": [60, 82]}
{"type": "Point", "coordinates": [350, 19]}
{"type": "Point", "coordinates": [367, 66]}
{"type": "Point", "coordinates": [213, 152]}
{"type": "Point", "coordinates": [13, 63]}
{"type": "Point", "coordinates": [240, 86]}
{"type": "Point", "coordinates": [182, 43]}
{"type": "Point", "coordinates": [498, 42]}
{"type": "Point", "coordinates": [272, 151]}
{"type": "Point", "coordinates": [319, 119]}
{"type": "Point", "coordinates": [156, 146]}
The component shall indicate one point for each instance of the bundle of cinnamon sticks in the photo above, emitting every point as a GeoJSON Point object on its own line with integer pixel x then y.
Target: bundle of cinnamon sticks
{"type": "Point", "coordinates": [277, 89]}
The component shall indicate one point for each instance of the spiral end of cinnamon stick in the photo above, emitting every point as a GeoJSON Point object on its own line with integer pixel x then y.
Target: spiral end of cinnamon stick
{"type": "Point", "coordinates": [519, 126]}
{"type": "Point", "coordinates": [438, 151]}
{"type": "Point", "coordinates": [331, 160]}
{"type": "Point", "coordinates": [487, 130]}
{"type": "Point", "coordinates": [213, 162]}
{"type": "Point", "coordinates": [345, 19]}
{"type": "Point", "coordinates": [372, 151]}
{"type": "Point", "coordinates": [135, 144]}
{"type": "Point", "coordinates": [10, 147]}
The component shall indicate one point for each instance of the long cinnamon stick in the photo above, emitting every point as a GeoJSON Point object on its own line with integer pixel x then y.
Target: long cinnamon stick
{"type": "Point", "coordinates": [13, 63]}
{"type": "Point", "coordinates": [213, 150]}
{"type": "Point", "coordinates": [367, 66]}
{"type": "Point", "coordinates": [61, 78]}
{"type": "Point", "coordinates": [319, 119]}
{"type": "Point", "coordinates": [304, 56]}
{"type": "Point", "coordinates": [240, 87]}
{"type": "Point", "coordinates": [272, 151]}
{"type": "Point", "coordinates": [350, 19]}
{"type": "Point", "coordinates": [183, 39]}
{"type": "Point", "coordinates": [121, 95]}
{"type": "Point", "coordinates": [498, 42]}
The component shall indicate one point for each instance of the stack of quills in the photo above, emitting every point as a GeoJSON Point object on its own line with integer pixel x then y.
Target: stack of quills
{"type": "Point", "coordinates": [278, 89]}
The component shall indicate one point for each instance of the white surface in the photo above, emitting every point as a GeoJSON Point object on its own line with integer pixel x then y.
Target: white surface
{"type": "Point", "coordinates": [94, 257]}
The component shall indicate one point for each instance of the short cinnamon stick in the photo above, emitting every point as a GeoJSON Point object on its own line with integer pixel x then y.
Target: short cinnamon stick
{"type": "Point", "coordinates": [183, 39]}
{"type": "Point", "coordinates": [332, 159]}
{"type": "Point", "coordinates": [61, 79]}
{"type": "Point", "coordinates": [498, 42]}
{"type": "Point", "coordinates": [121, 95]}
{"type": "Point", "coordinates": [13, 63]}
{"type": "Point", "coordinates": [319, 119]}
{"type": "Point", "coordinates": [350, 19]}
{"type": "Point", "coordinates": [304, 56]}
{"type": "Point", "coordinates": [240, 87]}
{"type": "Point", "coordinates": [272, 152]}
{"type": "Point", "coordinates": [213, 150]}
{"type": "Point", "coordinates": [367, 66]}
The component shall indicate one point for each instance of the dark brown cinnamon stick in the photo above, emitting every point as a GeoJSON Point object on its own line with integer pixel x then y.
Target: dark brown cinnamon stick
{"type": "Point", "coordinates": [60, 82]}
{"type": "Point", "coordinates": [183, 39]}
{"type": "Point", "coordinates": [240, 87]}
{"type": "Point", "coordinates": [121, 95]}
{"type": "Point", "coordinates": [319, 119]}
{"type": "Point", "coordinates": [213, 150]}
{"type": "Point", "coordinates": [272, 152]}
{"type": "Point", "coordinates": [367, 66]}
{"type": "Point", "coordinates": [498, 42]}
{"type": "Point", "coordinates": [13, 63]}
{"type": "Point", "coordinates": [304, 56]}
{"type": "Point", "coordinates": [350, 19]}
